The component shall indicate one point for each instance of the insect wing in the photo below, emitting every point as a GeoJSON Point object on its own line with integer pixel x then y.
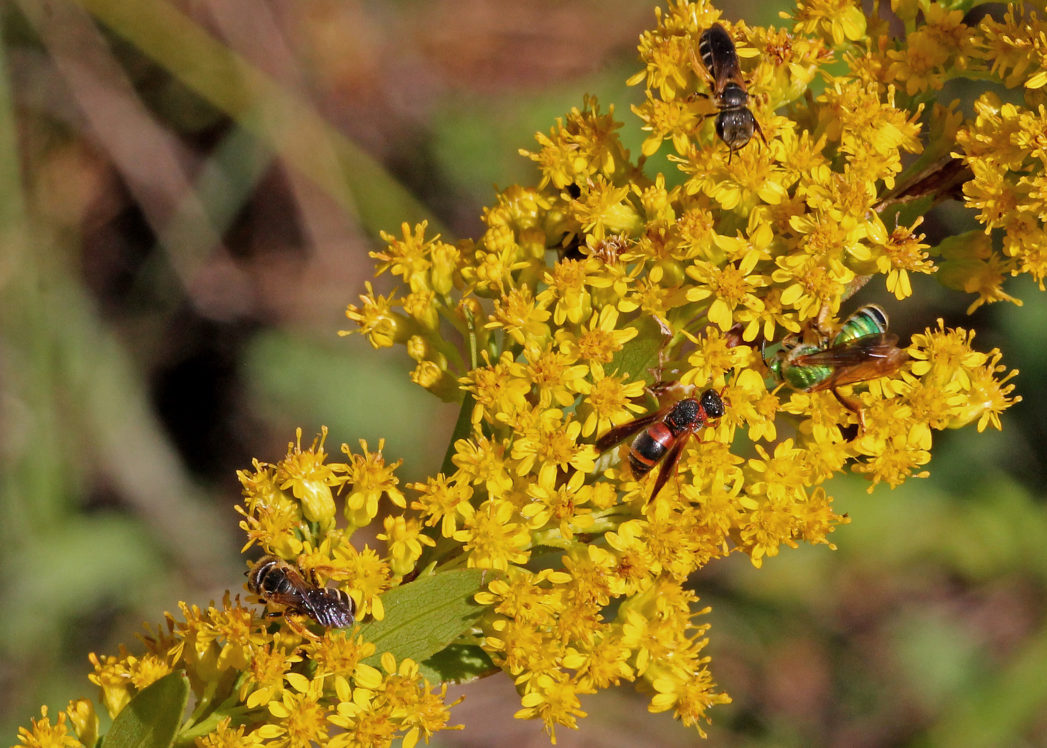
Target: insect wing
{"type": "Point", "coordinates": [669, 466]}
{"type": "Point", "coordinates": [294, 602]}
{"type": "Point", "coordinates": [719, 55]}
{"type": "Point", "coordinates": [850, 352]}
{"type": "Point", "coordinates": [857, 360]}
{"type": "Point", "coordinates": [331, 608]}
{"type": "Point", "coordinates": [625, 430]}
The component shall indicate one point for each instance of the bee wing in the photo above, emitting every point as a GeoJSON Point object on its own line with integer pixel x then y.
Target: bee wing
{"type": "Point", "coordinates": [626, 430]}
{"type": "Point", "coordinates": [857, 360]}
{"type": "Point", "coordinates": [669, 466]}
{"type": "Point", "coordinates": [332, 608]}
{"type": "Point", "coordinates": [280, 598]}
{"type": "Point", "coordinates": [722, 55]}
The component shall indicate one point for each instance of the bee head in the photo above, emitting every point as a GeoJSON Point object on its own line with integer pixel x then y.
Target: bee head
{"type": "Point", "coordinates": [735, 127]}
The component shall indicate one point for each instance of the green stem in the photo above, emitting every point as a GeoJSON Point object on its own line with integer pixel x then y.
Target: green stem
{"type": "Point", "coordinates": [236, 714]}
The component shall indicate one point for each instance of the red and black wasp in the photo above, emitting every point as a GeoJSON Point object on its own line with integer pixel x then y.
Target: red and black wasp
{"type": "Point", "coordinates": [663, 435]}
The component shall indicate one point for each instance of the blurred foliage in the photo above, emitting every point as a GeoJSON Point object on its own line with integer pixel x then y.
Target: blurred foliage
{"type": "Point", "coordinates": [179, 233]}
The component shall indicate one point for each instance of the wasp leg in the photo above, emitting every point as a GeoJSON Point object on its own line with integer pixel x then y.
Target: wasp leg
{"type": "Point", "coordinates": [852, 406]}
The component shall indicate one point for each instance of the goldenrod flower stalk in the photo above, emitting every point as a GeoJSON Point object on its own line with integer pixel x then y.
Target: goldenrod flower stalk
{"type": "Point", "coordinates": [601, 282]}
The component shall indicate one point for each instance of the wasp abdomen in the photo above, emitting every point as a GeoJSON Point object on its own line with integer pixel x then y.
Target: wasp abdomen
{"type": "Point", "coordinates": [649, 447]}
{"type": "Point", "coordinates": [870, 319]}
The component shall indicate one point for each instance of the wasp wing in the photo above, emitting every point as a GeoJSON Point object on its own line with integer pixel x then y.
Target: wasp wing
{"type": "Point", "coordinates": [669, 466]}
{"type": "Point", "coordinates": [857, 360]}
{"type": "Point", "coordinates": [625, 430]}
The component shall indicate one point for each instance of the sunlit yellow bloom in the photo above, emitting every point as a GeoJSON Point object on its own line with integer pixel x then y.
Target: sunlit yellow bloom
{"type": "Point", "coordinates": [271, 517]}
{"type": "Point", "coordinates": [268, 668]}
{"type": "Point", "coordinates": [482, 461]}
{"type": "Point", "coordinates": [226, 736]}
{"type": "Point", "coordinates": [370, 478]}
{"type": "Point", "coordinates": [552, 698]}
{"type": "Point", "coordinates": [521, 316]}
{"type": "Point", "coordinates": [444, 502]}
{"type": "Point", "coordinates": [550, 442]}
{"type": "Point", "coordinates": [554, 374]}
{"type": "Point", "coordinates": [369, 577]}
{"type": "Point", "coordinates": [299, 717]}
{"type": "Point", "coordinates": [43, 734]}
{"type": "Point", "coordinates": [689, 693]}
{"type": "Point", "coordinates": [559, 507]}
{"type": "Point", "coordinates": [113, 676]}
{"type": "Point", "coordinates": [499, 389]}
{"type": "Point", "coordinates": [493, 538]}
{"type": "Point", "coordinates": [608, 400]}
{"type": "Point", "coordinates": [84, 720]}
{"type": "Point", "coordinates": [404, 540]}
{"type": "Point", "coordinates": [837, 20]}
{"type": "Point", "coordinates": [310, 479]}
{"type": "Point", "coordinates": [382, 326]}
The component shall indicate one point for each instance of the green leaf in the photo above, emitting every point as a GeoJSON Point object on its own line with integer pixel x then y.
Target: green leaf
{"type": "Point", "coordinates": [423, 617]}
{"type": "Point", "coordinates": [458, 663]}
{"type": "Point", "coordinates": [462, 429]}
{"type": "Point", "coordinates": [152, 718]}
{"type": "Point", "coordinates": [640, 353]}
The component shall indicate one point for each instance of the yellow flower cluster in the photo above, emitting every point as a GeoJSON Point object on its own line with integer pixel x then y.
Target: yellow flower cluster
{"type": "Point", "coordinates": [259, 685]}
{"type": "Point", "coordinates": [604, 282]}
{"type": "Point", "coordinates": [607, 291]}
{"type": "Point", "coordinates": [1007, 152]}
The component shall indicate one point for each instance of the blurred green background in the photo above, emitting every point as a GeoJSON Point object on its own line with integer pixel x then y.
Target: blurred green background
{"type": "Point", "coordinates": [186, 207]}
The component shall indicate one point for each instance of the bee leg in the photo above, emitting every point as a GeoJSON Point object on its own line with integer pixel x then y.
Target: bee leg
{"type": "Point", "coordinates": [824, 333]}
{"type": "Point", "coordinates": [701, 72]}
{"type": "Point", "coordinates": [297, 627]}
{"type": "Point", "coordinates": [852, 406]}
{"type": "Point", "coordinates": [759, 131]}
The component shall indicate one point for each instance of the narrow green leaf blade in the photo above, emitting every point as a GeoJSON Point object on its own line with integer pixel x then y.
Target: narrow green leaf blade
{"type": "Point", "coordinates": [152, 718]}
{"type": "Point", "coordinates": [424, 616]}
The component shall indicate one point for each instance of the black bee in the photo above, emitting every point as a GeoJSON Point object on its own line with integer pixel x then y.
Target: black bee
{"type": "Point", "coordinates": [735, 124]}
{"type": "Point", "coordinates": [277, 581]}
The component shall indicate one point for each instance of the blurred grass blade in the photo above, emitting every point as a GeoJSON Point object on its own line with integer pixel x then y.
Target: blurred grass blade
{"type": "Point", "coordinates": [287, 122]}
